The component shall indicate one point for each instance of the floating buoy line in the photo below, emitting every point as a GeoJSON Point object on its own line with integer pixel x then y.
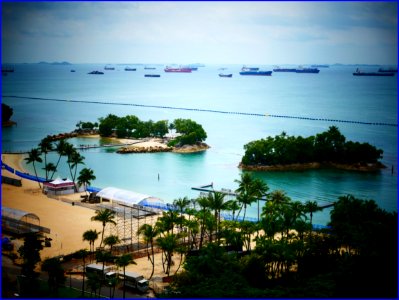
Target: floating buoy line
{"type": "Point", "coordinates": [207, 110]}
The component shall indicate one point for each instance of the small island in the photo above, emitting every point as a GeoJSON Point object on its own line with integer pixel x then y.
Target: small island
{"type": "Point", "coordinates": [6, 113]}
{"type": "Point", "coordinates": [328, 149]}
{"type": "Point", "coordinates": [137, 136]}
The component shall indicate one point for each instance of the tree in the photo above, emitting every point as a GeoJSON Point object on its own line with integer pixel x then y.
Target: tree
{"type": "Point", "coordinates": [29, 252]}
{"type": "Point", "coordinates": [202, 215]}
{"type": "Point", "coordinates": [107, 125]}
{"type": "Point", "coordinates": [104, 216]}
{"type": "Point", "coordinates": [182, 204]}
{"type": "Point", "coordinates": [311, 207]}
{"type": "Point", "coordinates": [6, 112]}
{"type": "Point", "coordinates": [74, 160]}
{"type": "Point", "coordinates": [247, 194]}
{"type": "Point", "coordinates": [216, 203]}
{"type": "Point", "coordinates": [34, 156]}
{"type": "Point", "coordinates": [93, 282]}
{"type": "Point", "coordinates": [111, 241]}
{"type": "Point", "coordinates": [103, 256]}
{"type": "Point", "coordinates": [122, 262]}
{"type": "Point", "coordinates": [260, 190]}
{"type": "Point", "coordinates": [91, 236]}
{"type": "Point", "coordinates": [83, 254]}
{"type": "Point", "coordinates": [56, 276]}
{"type": "Point", "coordinates": [190, 131]}
{"type": "Point", "coordinates": [168, 244]}
{"type": "Point", "coordinates": [60, 147]}
{"type": "Point", "coordinates": [86, 175]}
{"type": "Point", "coordinates": [45, 147]}
{"type": "Point", "coordinates": [149, 233]}
{"type": "Point", "coordinates": [49, 167]}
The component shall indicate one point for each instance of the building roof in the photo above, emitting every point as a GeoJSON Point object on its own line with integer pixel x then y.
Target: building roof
{"type": "Point", "coordinates": [60, 183]}
{"type": "Point", "coordinates": [126, 197]}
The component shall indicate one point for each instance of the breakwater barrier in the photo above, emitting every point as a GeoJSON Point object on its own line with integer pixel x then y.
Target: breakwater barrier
{"type": "Point", "coordinates": [210, 111]}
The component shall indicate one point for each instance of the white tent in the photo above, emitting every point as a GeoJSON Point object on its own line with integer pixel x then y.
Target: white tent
{"type": "Point", "coordinates": [126, 197]}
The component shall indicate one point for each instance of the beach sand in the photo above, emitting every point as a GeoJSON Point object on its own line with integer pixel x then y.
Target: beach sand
{"type": "Point", "coordinates": [67, 222]}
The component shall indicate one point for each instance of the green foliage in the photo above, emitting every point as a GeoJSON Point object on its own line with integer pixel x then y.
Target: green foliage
{"type": "Point", "coordinates": [56, 276]}
{"type": "Point", "coordinates": [30, 254]}
{"type": "Point", "coordinates": [107, 125]}
{"type": "Point", "coordinates": [6, 112]}
{"type": "Point", "coordinates": [191, 132]}
{"type": "Point", "coordinates": [357, 257]}
{"type": "Point", "coordinates": [329, 146]}
{"type": "Point", "coordinates": [132, 127]}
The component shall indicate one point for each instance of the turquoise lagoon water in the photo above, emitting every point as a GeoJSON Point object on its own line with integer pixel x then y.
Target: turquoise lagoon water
{"type": "Point", "coordinates": [333, 93]}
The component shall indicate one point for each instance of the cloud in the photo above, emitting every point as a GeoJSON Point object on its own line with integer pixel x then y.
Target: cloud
{"type": "Point", "coordinates": [106, 31]}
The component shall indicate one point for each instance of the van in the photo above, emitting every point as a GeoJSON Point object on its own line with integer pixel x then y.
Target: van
{"type": "Point", "coordinates": [98, 269]}
{"type": "Point", "coordinates": [135, 280]}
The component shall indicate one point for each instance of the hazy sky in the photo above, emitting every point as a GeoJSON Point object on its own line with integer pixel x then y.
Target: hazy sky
{"type": "Point", "coordinates": [207, 32]}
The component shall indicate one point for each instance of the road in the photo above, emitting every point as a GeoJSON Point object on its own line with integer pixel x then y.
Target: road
{"type": "Point", "coordinates": [11, 271]}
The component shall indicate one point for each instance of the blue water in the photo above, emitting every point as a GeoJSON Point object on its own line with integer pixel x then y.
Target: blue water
{"type": "Point", "coordinates": [333, 93]}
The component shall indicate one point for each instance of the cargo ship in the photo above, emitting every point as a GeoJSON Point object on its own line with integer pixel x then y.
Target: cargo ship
{"type": "Point", "coordinates": [389, 70]}
{"type": "Point", "coordinates": [307, 70]}
{"type": "Point", "coordinates": [226, 75]}
{"type": "Point", "coordinates": [177, 70]}
{"type": "Point", "coordinates": [244, 69]}
{"type": "Point", "coordinates": [256, 73]}
{"type": "Point", "coordinates": [361, 73]}
{"type": "Point", "coordinates": [278, 69]}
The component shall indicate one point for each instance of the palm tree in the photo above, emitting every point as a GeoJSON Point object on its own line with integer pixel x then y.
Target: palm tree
{"type": "Point", "coordinates": [123, 261]}
{"type": "Point", "coordinates": [61, 150]}
{"type": "Point", "coordinates": [85, 177]}
{"type": "Point", "coordinates": [74, 160]}
{"type": "Point", "coordinates": [83, 254]}
{"type": "Point", "coordinates": [168, 244]}
{"type": "Point", "coordinates": [216, 203]}
{"type": "Point", "coordinates": [149, 233]}
{"type": "Point", "coordinates": [91, 236]}
{"type": "Point", "coordinates": [201, 215]}
{"type": "Point", "coordinates": [50, 167]}
{"type": "Point", "coordinates": [111, 241]}
{"type": "Point", "coordinates": [246, 194]}
{"type": "Point", "coordinates": [233, 206]}
{"type": "Point", "coordinates": [181, 204]}
{"type": "Point", "coordinates": [311, 207]}
{"type": "Point", "coordinates": [260, 188]}
{"type": "Point", "coordinates": [56, 275]}
{"type": "Point", "coordinates": [168, 220]}
{"type": "Point", "coordinates": [34, 156]}
{"type": "Point", "coordinates": [45, 146]}
{"type": "Point", "coordinates": [104, 216]}
{"type": "Point", "coordinates": [103, 256]}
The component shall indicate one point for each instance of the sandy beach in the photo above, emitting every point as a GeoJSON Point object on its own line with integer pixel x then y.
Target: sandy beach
{"type": "Point", "coordinates": [67, 222]}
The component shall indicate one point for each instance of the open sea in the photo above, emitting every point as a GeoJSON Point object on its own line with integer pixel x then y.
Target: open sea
{"type": "Point", "coordinates": [333, 94]}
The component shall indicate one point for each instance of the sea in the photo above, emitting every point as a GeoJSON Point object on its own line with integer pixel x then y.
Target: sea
{"type": "Point", "coordinates": [49, 99]}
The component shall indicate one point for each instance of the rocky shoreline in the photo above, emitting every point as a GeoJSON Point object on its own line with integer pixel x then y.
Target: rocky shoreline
{"type": "Point", "coordinates": [361, 167]}
{"type": "Point", "coordinates": [8, 123]}
{"type": "Point", "coordinates": [159, 147]}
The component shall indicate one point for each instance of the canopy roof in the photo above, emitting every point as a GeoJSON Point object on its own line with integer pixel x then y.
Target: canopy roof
{"type": "Point", "coordinates": [19, 215]}
{"type": "Point", "coordinates": [126, 197]}
{"type": "Point", "coordinates": [58, 183]}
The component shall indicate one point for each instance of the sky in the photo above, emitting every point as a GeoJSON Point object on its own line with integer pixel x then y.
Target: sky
{"type": "Point", "coordinates": [270, 33]}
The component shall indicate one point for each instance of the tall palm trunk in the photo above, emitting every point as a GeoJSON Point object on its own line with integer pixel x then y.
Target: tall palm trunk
{"type": "Point", "coordinates": [56, 166]}
{"type": "Point", "coordinates": [34, 169]}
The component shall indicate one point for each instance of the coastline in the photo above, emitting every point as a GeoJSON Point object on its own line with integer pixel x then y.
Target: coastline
{"type": "Point", "coordinates": [143, 145]}
{"type": "Point", "coordinates": [372, 167]}
{"type": "Point", "coordinates": [67, 222]}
